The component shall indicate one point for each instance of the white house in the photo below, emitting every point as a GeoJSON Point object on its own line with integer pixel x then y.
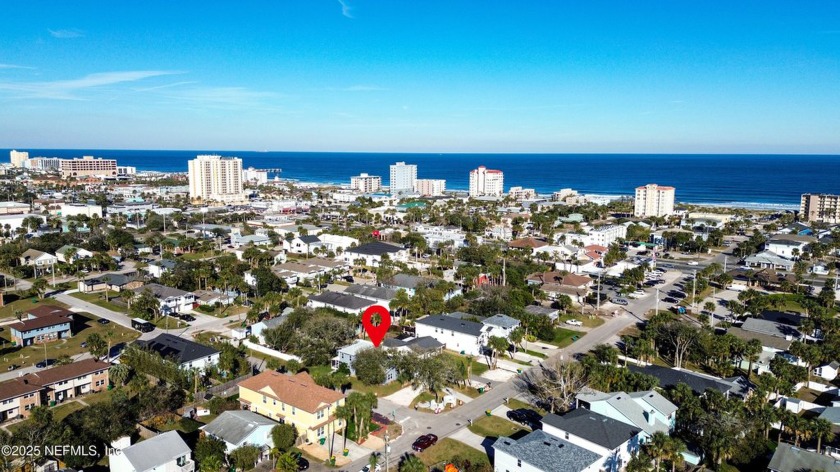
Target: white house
{"type": "Point", "coordinates": [37, 259]}
{"type": "Point", "coordinates": [166, 452]}
{"type": "Point", "coordinates": [340, 301]}
{"type": "Point", "coordinates": [260, 238]}
{"type": "Point", "coordinates": [788, 246]}
{"type": "Point", "coordinates": [828, 371]}
{"type": "Point", "coordinates": [614, 441]}
{"type": "Point", "coordinates": [158, 268]}
{"type": "Point", "coordinates": [347, 355]}
{"type": "Point", "coordinates": [172, 300]}
{"type": "Point", "coordinates": [242, 427]}
{"type": "Point", "coordinates": [80, 254]}
{"type": "Point", "coordinates": [372, 253]}
{"type": "Point", "coordinates": [541, 452]}
{"type": "Point", "coordinates": [649, 411]}
{"type": "Point", "coordinates": [500, 325]}
{"type": "Point", "coordinates": [187, 354]}
{"type": "Point", "coordinates": [466, 337]}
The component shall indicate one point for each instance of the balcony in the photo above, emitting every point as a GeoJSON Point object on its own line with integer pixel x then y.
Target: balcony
{"type": "Point", "coordinates": [182, 466]}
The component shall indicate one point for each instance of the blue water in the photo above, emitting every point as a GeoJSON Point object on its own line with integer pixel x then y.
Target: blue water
{"type": "Point", "coordinates": [711, 179]}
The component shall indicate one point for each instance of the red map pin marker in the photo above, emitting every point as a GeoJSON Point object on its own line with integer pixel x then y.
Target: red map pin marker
{"type": "Point", "coordinates": [376, 332]}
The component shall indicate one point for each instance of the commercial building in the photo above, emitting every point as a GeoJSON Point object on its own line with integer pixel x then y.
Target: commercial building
{"type": "Point", "coordinates": [255, 176]}
{"type": "Point", "coordinates": [88, 166]}
{"type": "Point", "coordinates": [430, 187]}
{"type": "Point", "coordinates": [125, 171]}
{"type": "Point", "coordinates": [519, 193]}
{"type": "Point", "coordinates": [17, 158]}
{"type": "Point", "coordinates": [486, 182]}
{"type": "Point", "coordinates": [654, 200]}
{"type": "Point", "coordinates": [366, 183]}
{"type": "Point", "coordinates": [215, 178]}
{"type": "Point", "coordinates": [13, 208]}
{"type": "Point", "coordinates": [402, 178]}
{"type": "Point", "coordinates": [820, 207]}
{"type": "Point", "coordinates": [43, 164]}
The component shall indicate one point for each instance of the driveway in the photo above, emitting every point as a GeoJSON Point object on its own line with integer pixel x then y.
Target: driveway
{"type": "Point", "coordinates": [403, 397]}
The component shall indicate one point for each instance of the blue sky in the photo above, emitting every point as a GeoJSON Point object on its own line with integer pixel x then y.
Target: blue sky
{"type": "Point", "coordinates": [438, 76]}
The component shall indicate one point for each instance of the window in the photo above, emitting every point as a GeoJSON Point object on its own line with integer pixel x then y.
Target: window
{"type": "Point", "coordinates": [29, 407]}
{"type": "Point", "coordinates": [321, 431]}
{"type": "Point", "coordinates": [567, 435]}
{"type": "Point", "coordinates": [293, 411]}
{"type": "Point", "coordinates": [264, 399]}
{"type": "Point", "coordinates": [518, 462]}
{"type": "Point", "coordinates": [319, 414]}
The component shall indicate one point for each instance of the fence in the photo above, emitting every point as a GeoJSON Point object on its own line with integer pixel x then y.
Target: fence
{"type": "Point", "coordinates": [269, 351]}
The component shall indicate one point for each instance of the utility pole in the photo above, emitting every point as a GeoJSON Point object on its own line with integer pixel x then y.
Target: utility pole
{"type": "Point", "coordinates": [657, 300]}
{"type": "Point", "coordinates": [598, 298]}
{"type": "Point", "coordinates": [694, 291]}
{"type": "Point", "coordinates": [725, 258]}
{"type": "Point", "coordinates": [387, 452]}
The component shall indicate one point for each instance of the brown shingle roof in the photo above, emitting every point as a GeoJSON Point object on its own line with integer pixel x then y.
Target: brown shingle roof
{"type": "Point", "coordinates": [40, 322]}
{"type": "Point", "coordinates": [65, 372]}
{"type": "Point", "coordinates": [299, 391]}
{"type": "Point", "coordinates": [527, 243]}
{"type": "Point", "coordinates": [45, 310]}
{"type": "Point", "coordinates": [560, 278]}
{"type": "Point", "coordinates": [16, 388]}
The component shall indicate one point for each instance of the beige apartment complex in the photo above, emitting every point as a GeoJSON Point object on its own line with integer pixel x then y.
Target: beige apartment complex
{"type": "Point", "coordinates": [18, 158]}
{"type": "Point", "coordinates": [216, 179]}
{"type": "Point", "coordinates": [486, 182]}
{"type": "Point", "coordinates": [820, 207]}
{"type": "Point", "coordinates": [366, 183]}
{"type": "Point", "coordinates": [654, 200]}
{"type": "Point", "coordinates": [88, 166]}
{"type": "Point", "coordinates": [430, 187]}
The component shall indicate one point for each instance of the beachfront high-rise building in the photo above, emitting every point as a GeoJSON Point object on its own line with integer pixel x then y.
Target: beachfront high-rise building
{"type": "Point", "coordinates": [486, 182]}
{"type": "Point", "coordinates": [402, 178]}
{"type": "Point", "coordinates": [255, 176]}
{"type": "Point", "coordinates": [88, 166]}
{"type": "Point", "coordinates": [216, 179]}
{"type": "Point", "coordinates": [43, 164]}
{"type": "Point", "coordinates": [654, 200]}
{"type": "Point", "coordinates": [430, 187]}
{"type": "Point", "coordinates": [366, 183]}
{"type": "Point", "coordinates": [18, 158]}
{"type": "Point", "coordinates": [820, 207]}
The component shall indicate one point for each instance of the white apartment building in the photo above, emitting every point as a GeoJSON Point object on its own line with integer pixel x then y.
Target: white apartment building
{"type": "Point", "coordinates": [818, 207]}
{"type": "Point", "coordinates": [88, 166]}
{"type": "Point", "coordinates": [18, 158]}
{"type": "Point", "coordinates": [519, 193]}
{"type": "Point", "coordinates": [216, 178]}
{"type": "Point", "coordinates": [126, 170]}
{"type": "Point", "coordinates": [430, 187]}
{"type": "Point", "coordinates": [605, 235]}
{"type": "Point", "coordinates": [402, 178]}
{"type": "Point", "coordinates": [366, 183]}
{"type": "Point", "coordinates": [43, 164]}
{"type": "Point", "coordinates": [255, 176]}
{"type": "Point", "coordinates": [654, 200]}
{"type": "Point", "coordinates": [486, 182]}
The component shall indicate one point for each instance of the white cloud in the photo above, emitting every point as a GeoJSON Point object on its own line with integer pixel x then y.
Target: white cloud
{"type": "Point", "coordinates": [346, 9]}
{"type": "Point", "coordinates": [356, 88]}
{"type": "Point", "coordinates": [67, 33]}
{"type": "Point", "coordinates": [14, 66]}
{"type": "Point", "coordinates": [71, 89]}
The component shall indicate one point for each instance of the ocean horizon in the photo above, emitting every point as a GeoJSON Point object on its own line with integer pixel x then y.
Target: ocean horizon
{"type": "Point", "coordinates": [736, 180]}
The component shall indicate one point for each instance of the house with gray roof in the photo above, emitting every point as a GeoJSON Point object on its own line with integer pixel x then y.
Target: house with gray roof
{"type": "Point", "coordinates": [551, 313]}
{"type": "Point", "coordinates": [343, 302]}
{"type": "Point", "coordinates": [379, 295]}
{"type": "Point", "coordinates": [541, 452]}
{"type": "Point", "coordinates": [788, 458]}
{"type": "Point", "coordinates": [648, 410]}
{"type": "Point", "coordinates": [187, 354]}
{"type": "Point", "coordinates": [768, 259]}
{"type": "Point", "coordinates": [372, 253]}
{"type": "Point", "coordinates": [669, 377]}
{"type": "Point", "coordinates": [158, 268]}
{"type": "Point", "coordinates": [172, 300]}
{"type": "Point", "coordinates": [347, 355]}
{"type": "Point", "coordinates": [424, 347]}
{"type": "Point", "coordinates": [242, 427]}
{"type": "Point", "coordinates": [771, 328]}
{"type": "Point", "coordinates": [164, 452]}
{"type": "Point", "coordinates": [831, 414]}
{"type": "Point", "coordinates": [258, 328]}
{"type": "Point", "coordinates": [828, 371]}
{"type": "Point", "coordinates": [466, 337]}
{"type": "Point", "coordinates": [410, 283]}
{"type": "Point", "coordinates": [613, 440]}
{"type": "Point", "coordinates": [500, 325]}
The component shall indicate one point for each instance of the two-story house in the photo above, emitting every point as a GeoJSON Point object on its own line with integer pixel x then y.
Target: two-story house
{"type": "Point", "coordinates": [187, 354]}
{"type": "Point", "coordinates": [340, 301]}
{"type": "Point", "coordinates": [166, 452]}
{"type": "Point", "coordinates": [649, 411]}
{"type": "Point", "coordinates": [464, 336]}
{"type": "Point", "coordinates": [42, 324]}
{"type": "Point", "coordinates": [158, 268]}
{"type": "Point", "coordinates": [63, 253]}
{"type": "Point", "coordinates": [347, 355]}
{"type": "Point", "coordinates": [172, 300]}
{"type": "Point", "coordinates": [293, 399]}
{"type": "Point", "coordinates": [539, 451]}
{"type": "Point", "coordinates": [37, 259]}
{"type": "Point", "coordinates": [614, 441]}
{"type": "Point", "coordinates": [500, 325]}
{"type": "Point", "coordinates": [372, 253]}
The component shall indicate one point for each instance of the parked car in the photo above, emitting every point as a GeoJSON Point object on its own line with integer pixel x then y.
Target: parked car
{"type": "Point", "coordinates": [692, 263]}
{"type": "Point", "coordinates": [45, 363]}
{"type": "Point", "coordinates": [187, 317]}
{"type": "Point", "coordinates": [424, 442]}
{"type": "Point", "coordinates": [620, 301]}
{"type": "Point", "coordinates": [574, 322]}
{"type": "Point", "coordinates": [13, 367]}
{"type": "Point", "coordinates": [302, 463]}
{"type": "Point", "coordinates": [525, 416]}
{"type": "Point", "coordinates": [670, 300]}
{"type": "Point", "coordinates": [366, 468]}
{"type": "Point", "coordinates": [349, 278]}
{"type": "Point", "coordinates": [103, 321]}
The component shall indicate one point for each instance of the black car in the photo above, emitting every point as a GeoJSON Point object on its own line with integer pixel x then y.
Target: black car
{"type": "Point", "coordinates": [525, 416]}
{"type": "Point", "coordinates": [670, 300]}
{"type": "Point", "coordinates": [424, 442]}
{"type": "Point", "coordinates": [187, 317]}
{"type": "Point", "coordinates": [45, 363]}
{"type": "Point", "coordinates": [349, 278]}
{"type": "Point", "coordinates": [302, 463]}
{"type": "Point", "coordinates": [103, 321]}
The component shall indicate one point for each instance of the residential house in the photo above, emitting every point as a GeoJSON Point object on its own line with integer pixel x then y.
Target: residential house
{"type": "Point", "coordinates": [410, 283]}
{"type": "Point", "coordinates": [378, 295]}
{"type": "Point", "coordinates": [347, 355]}
{"type": "Point", "coordinates": [424, 346]}
{"type": "Point", "coordinates": [555, 284]}
{"type": "Point", "coordinates": [371, 254]}
{"type": "Point", "coordinates": [614, 441]}
{"type": "Point", "coordinates": [241, 428]}
{"type": "Point", "coordinates": [61, 254]}
{"type": "Point", "coordinates": [771, 346]}
{"type": "Point", "coordinates": [527, 243]}
{"type": "Point", "coordinates": [38, 259]}
{"type": "Point", "coordinates": [789, 246]}
{"type": "Point", "coordinates": [42, 324]}
{"type": "Point", "coordinates": [649, 411]}
{"type": "Point", "coordinates": [466, 337]}
{"type": "Point", "coordinates": [539, 451]}
{"type": "Point", "coordinates": [788, 458]}
{"type": "Point", "coordinates": [293, 399]}
{"type": "Point", "coordinates": [258, 328]}
{"type": "Point", "coordinates": [770, 260]}
{"type": "Point", "coordinates": [19, 395]}
{"type": "Point", "coordinates": [259, 238]}
{"type": "Point", "coordinates": [670, 377]}
{"type": "Point", "coordinates": [828, 371]}
{"type": "Point", "coordinates": [211, 298]}
{"type": "Point", "coordinates": [340, 301]}
{"type": "Point", "coordinates": [111, 281]}
{"type": "Point", "coordinates": [172, 300]}
{"type": "Point", "coordinates": [183, 352]}
{"type": "Point", "coordinates": [166, 452]}
{"type": "Point", "coordinates": [500, 325]}
{"type": "Point", "coordinates": [157, 268]}
{"type": "Point", "coordinates": [304, 244]}
{"type": "Point", "coordinates": [552, 313]}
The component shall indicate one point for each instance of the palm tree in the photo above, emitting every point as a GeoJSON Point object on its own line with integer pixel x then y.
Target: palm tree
{"type": "Point", "coordinates": [118, 373]}
{"type": "Point", "coordinates": [673, 452]}
{"type": "Point", "coordinates": [286, 463]}
{"type": "Point", "coordinates": [821, 428]}
{"type": "Point", "coordinates": [657, 447]}
{"type": "Point", "coordinates": [412, 463]}
{"type": "Point", "coordinates": [497, 346]}
{"type": "Point", "coordinates": [214, 464]}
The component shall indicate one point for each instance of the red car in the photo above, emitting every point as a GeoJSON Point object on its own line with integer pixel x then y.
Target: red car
{"type": "Point", "coordinates": [424, 442]}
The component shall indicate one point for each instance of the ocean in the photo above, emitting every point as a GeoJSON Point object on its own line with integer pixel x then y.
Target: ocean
{"type": "Point", "coordinates": [769, 181]}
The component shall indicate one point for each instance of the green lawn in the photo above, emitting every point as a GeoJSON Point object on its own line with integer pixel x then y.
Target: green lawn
{"type": "Point", "coordinates": [59, 413]}
{"type": "Point", "coordinates": [223, 311]}
{"type": "Point", "coordinates": [563, 337]}
{"type": "Point", "coordinates": [14, 304]}
{"type": "Point", "coordinates": [351, 430]}
{"type": "Point", "coordinates": [535, 354]}
{"type": "Point", "coordinates": [515, 404]}
{"type": "Point", "coordinates": [494, 427]}
{"type": "Point", "coordinates": [98, 299]}
{"type": "Point", "coordinates": [168, 322]}
{"type": "Point", "coordinates": [379, 390]}
{"type": "Point", "coordinates": [588, 321]}
{"type": "Point", "coordinates": [478, 365]}
{"type": "Point", "coordinates": [468, 391]}
{"type": "Point", "coordinates": [448, 448]}
{"type": "Point", "coordinates": [423, 397]}
{"type": "Point", "coordinates": [85, 325]}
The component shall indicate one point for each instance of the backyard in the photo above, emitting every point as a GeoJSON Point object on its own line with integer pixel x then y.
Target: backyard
{"type": "Point", "coordinates": [438, 455]}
